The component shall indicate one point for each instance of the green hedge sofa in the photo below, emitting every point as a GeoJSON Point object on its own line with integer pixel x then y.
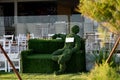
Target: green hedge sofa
{"type": "Point", "coordinates": [37, 59]}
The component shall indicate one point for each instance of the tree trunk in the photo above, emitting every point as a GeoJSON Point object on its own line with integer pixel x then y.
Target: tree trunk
{"type": "Point", "coordinates": [113, 49]}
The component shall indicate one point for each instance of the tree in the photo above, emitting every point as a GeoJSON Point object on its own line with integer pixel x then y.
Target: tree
{"type": "Point", "coordinates": [106, 12]}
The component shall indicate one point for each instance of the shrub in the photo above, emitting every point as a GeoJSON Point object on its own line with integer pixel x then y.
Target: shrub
{"type": "Point", "coordinates": [102, 55]}
{"type": "Point", "coordinates": [103, 72]}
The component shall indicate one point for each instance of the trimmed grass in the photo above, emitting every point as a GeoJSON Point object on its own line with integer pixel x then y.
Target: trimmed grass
{"type": "Point", "coordinates": [38, 76]}
{"type": "Point", "coordinates": [101, 72]}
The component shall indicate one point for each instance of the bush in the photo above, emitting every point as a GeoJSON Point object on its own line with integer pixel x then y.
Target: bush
{"type": "Point", "coordinates": [103, 72]}
{"type": "Point", "coordinates": [23, 58]}
{"type": "Point", "coordinates": [102, 55]}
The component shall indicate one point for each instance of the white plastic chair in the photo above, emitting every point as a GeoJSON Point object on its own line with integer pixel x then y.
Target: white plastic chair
{"type": "Point", "coordinates": [15, 58]}
{"type": "Point", "coordinates": [22, 42]}
{"type": "Point", "coordinates": [96, 44]}
{"type": "Point", "coordinates": [7, 46]}
{"type": "Point", "coordinates": [14, 47]}
{"type": "Point", "coordinates": [3, 63]}
{"type": "Point", "coordinates": [41, 30]}
{"type": "Point", "coordinates": [7, 42]}
{"type": "Point", "coordinates": [8, 37]}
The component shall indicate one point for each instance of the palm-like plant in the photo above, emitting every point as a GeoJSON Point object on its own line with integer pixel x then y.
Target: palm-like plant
{"type": "Point", "coordinates": [102, 55]}
{"type": "Point", "coordinates": [106, 12]}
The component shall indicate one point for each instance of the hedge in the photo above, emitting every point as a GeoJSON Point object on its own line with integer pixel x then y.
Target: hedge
{"type": "Point", "coordinates": [44, 46]}
{"type": "Point", "coordinates": [39, 63]}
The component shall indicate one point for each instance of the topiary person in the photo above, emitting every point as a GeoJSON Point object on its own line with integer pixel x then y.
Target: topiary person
{"type": "Point", "coordinates": [70, 47]}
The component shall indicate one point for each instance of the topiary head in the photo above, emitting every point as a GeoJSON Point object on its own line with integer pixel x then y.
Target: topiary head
{"type": "Point", "coordinates": [75, 29]}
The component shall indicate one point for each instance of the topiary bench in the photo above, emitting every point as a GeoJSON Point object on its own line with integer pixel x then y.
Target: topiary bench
{"type": "Point", "coordinates": [37, 59]}
{"type": "Point", "coordinates": [39, 63]}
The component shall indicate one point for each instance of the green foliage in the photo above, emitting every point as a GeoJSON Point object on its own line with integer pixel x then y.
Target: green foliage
{"type": "Point", "coordinates": [38, 57]}
{"type": "Point", "coordinates": [105, 11]}
{"type": "Point", "coordinates": [62, 36]}
{"type": "Point", "coordinates": [102, 55]}
{"type": "Point", "coordinates": [77, 62]}
{"type": "Point", "coordinates": [104, 36]}
{"type": "Point", "coordinates": [23, 55]}
{"type": "Point", "coordinates": [32, 62]}
{"type": "Point", "coordinates": [39, 63]}
{"type": "Point", "coordinates": [103, 72]}
{"type": "Point", "coordinates": [63, 55]}
{"type": "Point", "coordinates": [75, 29]}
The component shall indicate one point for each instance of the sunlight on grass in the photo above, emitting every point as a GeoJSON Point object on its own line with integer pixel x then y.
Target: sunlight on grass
{"type": "Point", "coordinates": [37, 76]}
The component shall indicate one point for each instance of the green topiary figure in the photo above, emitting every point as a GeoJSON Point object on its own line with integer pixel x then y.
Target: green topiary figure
{"type": "Point", "coordinates": [72, 45]}
{"type": "Point", "coordinates": [62, 36]}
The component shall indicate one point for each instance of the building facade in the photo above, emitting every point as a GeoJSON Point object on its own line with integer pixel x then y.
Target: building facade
{"type": "Point", "coordinates": [41, 17]}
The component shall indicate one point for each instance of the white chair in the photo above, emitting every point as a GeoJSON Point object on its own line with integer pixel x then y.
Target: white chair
{"type": "Point", "coordinates": [41, 30]}
{"type": "Point", "coordinates": [96, 44]}
{"type": "Point", "coordinates": [14, 47]}
{"type": "Point", "coordinates": [7, 42]}
{"type": "Point", "coordinates": [2, 41]}
{"type": "Point", "coordinates": [22, 42]}
{"type": "Point", "coordinates": [112, 40]}
{"type": "Point", "coordinates": [15, 58]}
{"type": "Point", "coordinates": [8, 37]}
{"type": "Point", "coordinates": [7, 46]}
{"type": "Point", "coordinates": [3, 63]}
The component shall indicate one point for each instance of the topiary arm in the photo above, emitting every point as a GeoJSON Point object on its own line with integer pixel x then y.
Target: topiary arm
{"type": "Point", "coordinates": [58, 52]}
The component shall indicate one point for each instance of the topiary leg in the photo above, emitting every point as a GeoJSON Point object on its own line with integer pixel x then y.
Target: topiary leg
{"type": "Point", "coordinates": [62, 69]}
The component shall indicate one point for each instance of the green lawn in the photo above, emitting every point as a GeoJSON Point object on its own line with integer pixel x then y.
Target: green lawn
{"type": "Point", "coordinates": [100, 72]}
{"type": "Point", "coordinates": [38, 76]}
